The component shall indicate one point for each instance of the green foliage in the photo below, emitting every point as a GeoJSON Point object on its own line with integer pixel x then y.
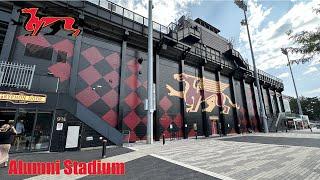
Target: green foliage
{"type": "Point", "coordinates": [308, 43]}
{"type": "Point", "coordinates": [310, 106]}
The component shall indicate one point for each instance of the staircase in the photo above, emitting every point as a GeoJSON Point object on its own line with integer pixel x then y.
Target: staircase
{"type": "Point", "coordinates": [71, 105]}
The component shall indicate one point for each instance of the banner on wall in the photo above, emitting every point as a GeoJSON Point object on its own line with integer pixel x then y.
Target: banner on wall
{"type": "Point", "coordinates": [22, 97]}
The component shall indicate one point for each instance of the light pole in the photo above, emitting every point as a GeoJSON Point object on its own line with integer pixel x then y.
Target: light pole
{"type": "Point", "coordinates": [285, 52]}
{"type": "Point", "coordinates": [241, 4]}
{"type": "Point", "coordinates": [150, 76]}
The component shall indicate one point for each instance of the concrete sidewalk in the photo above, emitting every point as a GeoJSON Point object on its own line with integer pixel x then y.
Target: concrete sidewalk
{"type": "Point", "coordinates": [249, 156]}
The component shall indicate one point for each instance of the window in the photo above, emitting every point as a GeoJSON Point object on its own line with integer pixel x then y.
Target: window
{"type": "Point", "coordinates": [33, 50]}
{"type": "Point", "coordinates": [62, 56]}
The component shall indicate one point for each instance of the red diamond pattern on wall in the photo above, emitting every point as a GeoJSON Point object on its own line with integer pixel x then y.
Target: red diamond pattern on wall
{"type": "Point", "coordinates": [145, 84]}
{"type": "Point", "coordinates": [66, 46]}
{"type": "Point", "coordinates": [111, 118]}
{"type": "Point", "coordinates": [178, 120]}
{"type": "Point", "coordinates": [111, 98]}
{"type": "Point", "coordinates": [113, 60]}
{"type": "Point", "coordinates": [37, 40]}
{"type": "Point", "coordinates": [133, 100]}
{"type": "Point", "coordinates": [133, 136]}
{"type": "Point", "coordinates": [192, 133]}
{"type": "Point", "coordinates": [92, 55]}
{"type": "Point", "coordinates": [145, 120]}
{"type": "Point", "coordinates": [61, 70]}
{"type": "Point", "coordinates": [87, 97]}
{"type": "Point", "coordinates": [165, 103]}
{"type": "Point", "coordinates": [166, 134]}
{"type": "Point", "coordinates": [131, 120]}
{"type": "Point", "coordinates": [165, 121]}
{"type": "Point", "coordinates": [133, 82]}
{"type": "Point", "coordinates": [112, 79]}
{"type": "Point", "coordinates": [133, 66]}
{"type": "Point", "coordinates": [90, 75]}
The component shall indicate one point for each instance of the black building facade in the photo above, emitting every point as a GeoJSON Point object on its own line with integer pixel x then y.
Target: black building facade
{"type": "Point", "coordinates": [96, 83]}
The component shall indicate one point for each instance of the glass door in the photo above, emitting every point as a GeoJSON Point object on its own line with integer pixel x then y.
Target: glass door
{"type": "Point", "coordinates": [42, 131]}
{"type": "Point", "coordinates": [24, 126]}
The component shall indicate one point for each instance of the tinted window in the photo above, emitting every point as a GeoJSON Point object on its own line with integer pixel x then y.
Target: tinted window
{"type": "Point", "coordinates": [33, 50]}
{"type": "Point", "coordinates": [62, 56]}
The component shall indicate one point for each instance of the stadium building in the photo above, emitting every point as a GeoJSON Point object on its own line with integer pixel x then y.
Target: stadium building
{"type": "Point", "coordinates": [66, 91]}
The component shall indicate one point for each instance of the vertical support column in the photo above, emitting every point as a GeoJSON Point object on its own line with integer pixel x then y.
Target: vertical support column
{"type": "Point", "coordinates": [205, 123]}
{"type": "Point", "coordinates": [156, 125]}
{"type": "Point", "coordinates": [255, 106]}
{"type": "Point", "coordinates": [281, 103]}
{"type": "Point", "coordinates": [8, 42]}
{"type": "Point", "coordinates": [75, 62]}
{"type": "Point", "coordinates": [237, 122]}
{"type": "Point", "coordinates": [245, 103]}
{"type": "Point", "coordinates": [263, 100]}
{"type": "Point", "coordinates": [270, 101]}
{"type": "Point", "coordinates": [276, 102]}
{"type": "Point", "coordinates": [122, 77]}
{"type": "Point", "coordinates": [221, 117]}
{"type": "Point", "coordinates": [182, 104]}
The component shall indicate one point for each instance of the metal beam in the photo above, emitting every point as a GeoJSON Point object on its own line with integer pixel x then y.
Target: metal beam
{"type": "Point", "coordinates": [75, 63]}
{"type": "Point", "coordinates": [205, 123]}
{"type": "Point", "coordinates": [150, 76]}
{"type": "Point", "coordinates": [122, 77]}
{"type": "Point", "coordinates": [10, 36]}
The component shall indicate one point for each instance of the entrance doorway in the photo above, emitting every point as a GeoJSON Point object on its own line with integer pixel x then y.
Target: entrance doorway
{"type": "Point", "coordinates": [33, 129]}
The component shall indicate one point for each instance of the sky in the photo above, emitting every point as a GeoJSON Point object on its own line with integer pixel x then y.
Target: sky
{"type": "Point", "coordinates": [268, 20]}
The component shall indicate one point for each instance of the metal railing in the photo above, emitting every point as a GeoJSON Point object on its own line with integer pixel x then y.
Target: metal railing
{"type": "Point", "coordinates": [130, 15]}
{"type": "Point", "coordinates": [266, 75]}
{"type": "Point", "coordinates": [16, 75]}
{"type": "Point", "coordinates": [137, 18]}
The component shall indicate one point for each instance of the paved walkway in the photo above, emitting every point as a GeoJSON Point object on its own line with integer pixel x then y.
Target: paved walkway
{"type": "Point", "coordinates": [221, 158]}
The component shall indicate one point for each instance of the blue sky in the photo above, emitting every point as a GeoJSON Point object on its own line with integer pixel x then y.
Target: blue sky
{"type": "Point", "coordinates": [268, 22]}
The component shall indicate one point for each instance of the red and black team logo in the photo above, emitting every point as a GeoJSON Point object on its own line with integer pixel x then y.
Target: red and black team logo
{"type": "Point", "coordinates": [34, 23]}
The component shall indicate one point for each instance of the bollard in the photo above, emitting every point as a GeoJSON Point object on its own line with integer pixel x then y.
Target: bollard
{"type": "Point", "coordinates": [104, 144]}
{"type": "Point", "coordinates": [220, 130]}
{"type": "Point", "coordinates": [196, 134]}
{"type": "Point", "coordinates": [163, 139]}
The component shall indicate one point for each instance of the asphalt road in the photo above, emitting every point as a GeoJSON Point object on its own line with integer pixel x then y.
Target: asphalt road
{"type": "Point", "coordinates": [151, 168]}
{"type": "Point", "coordinates": [84, 156]}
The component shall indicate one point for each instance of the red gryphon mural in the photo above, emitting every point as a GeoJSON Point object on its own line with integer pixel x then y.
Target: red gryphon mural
{"type": "Point", "coordinates": [192, 96]}
{"type": "Point", "coordinates": [34, 24]}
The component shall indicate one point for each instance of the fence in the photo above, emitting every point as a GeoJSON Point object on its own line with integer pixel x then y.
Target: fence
{"type": "Point", "coordinates": [16, 75]}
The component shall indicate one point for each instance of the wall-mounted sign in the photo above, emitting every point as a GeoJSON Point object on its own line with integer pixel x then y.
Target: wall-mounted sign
{"type": "Point", "coordinates": [35, 23]}
{"type": "Point", "coordinates": [59, 126]}
{"type": "Point", "coordinates": [22, 97]}
{"type": "Point", "coordinates": [61, 119]}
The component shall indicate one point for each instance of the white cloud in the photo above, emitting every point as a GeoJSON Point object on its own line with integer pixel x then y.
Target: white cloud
{"type": "Point", "coordinates": [268, 40]}
{"type": "Point", "coordinates": [310, 70]}
{"type": "Point", "coordinates": [283, 75]}
{"type": "Point", "coordinates": [314, 92]}
{"type": "Point", "coordinates": [164, 11]}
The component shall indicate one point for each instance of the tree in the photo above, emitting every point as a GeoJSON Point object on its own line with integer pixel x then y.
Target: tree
{"type": "Point", "coordinates": [308, 43]}
{"type": "Point", "coordinates": [310, 106]}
